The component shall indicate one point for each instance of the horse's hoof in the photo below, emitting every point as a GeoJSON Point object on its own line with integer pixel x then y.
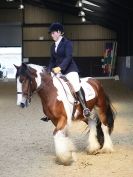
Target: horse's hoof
{"type": "Point", "coordinates": [106, 150]}
{"type": "Point", "coordinates": [92, 152]}
{"type": "Point", "coordinates": [66, 160]}
{"type": "Point", "coordinates": [93, 149]}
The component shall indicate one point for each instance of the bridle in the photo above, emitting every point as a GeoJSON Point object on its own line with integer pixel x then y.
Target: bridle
{"type": "Point", "coordinates": [29, 87]}
{"type": "Point", "coordinates": [29, 90]}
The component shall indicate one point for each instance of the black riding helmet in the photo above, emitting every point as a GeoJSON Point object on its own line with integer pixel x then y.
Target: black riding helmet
{"type": "Point", "coordinates": [56, 27]}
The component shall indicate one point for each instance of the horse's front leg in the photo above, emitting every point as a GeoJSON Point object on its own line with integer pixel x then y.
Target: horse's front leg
{"type": "Point", "coordinates": [63, 145]}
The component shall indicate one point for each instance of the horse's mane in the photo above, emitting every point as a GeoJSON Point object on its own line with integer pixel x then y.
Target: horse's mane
{"type": "Point", "coordinates": [22, 69]}
{"type": "Point", "coordinates": [37, 67]}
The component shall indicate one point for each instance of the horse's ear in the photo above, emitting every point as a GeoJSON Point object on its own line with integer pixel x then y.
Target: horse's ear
{"type": "Point", "coordinates": [16, 66]}
{"type": "Point", "coordinates": [24, 65]}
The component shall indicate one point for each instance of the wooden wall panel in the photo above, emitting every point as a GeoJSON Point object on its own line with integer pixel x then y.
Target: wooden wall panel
{"type": "Point", "coordinates": [80, 48]}
{"type": "Point", "coordinates": [88, 32]}
{"type": "Point", "coordinates": [10, 16]}
{"type": "Point", "coordinates": [33, 33]}
{"type": "Point", "coordinates": [89, 48]}
{"type": "Point", "coordinates": [71, 19]}
{"type": "Point", "coordinates": [38, 15]}
{"type": "Point", "coordinates": [37, 49]}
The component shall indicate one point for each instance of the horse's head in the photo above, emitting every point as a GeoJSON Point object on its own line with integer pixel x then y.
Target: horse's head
{"type": "Point", "coordinates": [28, 80]}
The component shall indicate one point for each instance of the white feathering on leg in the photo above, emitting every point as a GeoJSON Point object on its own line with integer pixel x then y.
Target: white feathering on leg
{"type": "Point", "coordinates": [64, 148]}
{"type": "Point", "coordinates": [107, 146]}
{"type": "Point", "coordinates": [93, 144]}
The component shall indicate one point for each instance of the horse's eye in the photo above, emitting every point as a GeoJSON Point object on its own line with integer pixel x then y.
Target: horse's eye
{"type": "Point", "coordinates": [22, 81]}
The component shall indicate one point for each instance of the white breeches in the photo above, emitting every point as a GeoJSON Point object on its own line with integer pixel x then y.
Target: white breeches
{"type": "Point", "coordinates": [73, 78]}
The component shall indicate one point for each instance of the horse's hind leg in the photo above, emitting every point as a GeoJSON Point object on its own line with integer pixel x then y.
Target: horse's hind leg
{"type": "Point", "coordinates": [63, 145]}
{"type": "Point", "coordinates": [93, 144]}
{"type": "Point", "coordinates": [107, 144]}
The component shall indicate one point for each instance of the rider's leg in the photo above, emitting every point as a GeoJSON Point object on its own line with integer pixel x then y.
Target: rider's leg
{"type": "Point", "coordinates": [73, 77]}
{"type": "Point", "coordinates": [81, 98]}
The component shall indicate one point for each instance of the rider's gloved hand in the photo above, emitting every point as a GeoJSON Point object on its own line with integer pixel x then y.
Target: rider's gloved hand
{"type": "Point", "coordinates": [56, 70]}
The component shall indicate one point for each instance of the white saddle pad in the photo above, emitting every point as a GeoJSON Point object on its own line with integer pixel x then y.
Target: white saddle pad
{"type": "Point", "coordinates": [88, 89]}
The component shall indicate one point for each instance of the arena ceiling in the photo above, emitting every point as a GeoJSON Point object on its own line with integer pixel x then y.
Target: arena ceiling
{"type": "Point", "coordinates": [108, 13]}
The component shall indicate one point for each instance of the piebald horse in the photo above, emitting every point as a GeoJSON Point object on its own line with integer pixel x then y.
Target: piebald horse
{"type": "Point", "coordinates": [59, 106]}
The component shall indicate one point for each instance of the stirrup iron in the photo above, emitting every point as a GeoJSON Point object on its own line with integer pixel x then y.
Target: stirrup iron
{"type": "Point", "coordinates": [86, 112]}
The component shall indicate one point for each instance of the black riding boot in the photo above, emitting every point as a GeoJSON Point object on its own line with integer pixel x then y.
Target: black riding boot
{"type": "Point", "coordinates": [45, 118]}
{"type": "Point", "coordinates": [81, 98]}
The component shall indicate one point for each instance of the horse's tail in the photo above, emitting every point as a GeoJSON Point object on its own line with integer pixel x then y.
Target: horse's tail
{"type": "Point", "coordinates": [110, 115]}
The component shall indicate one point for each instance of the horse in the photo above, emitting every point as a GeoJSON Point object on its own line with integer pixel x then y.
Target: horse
{"type": "Point", "coordinates": [60, 106]}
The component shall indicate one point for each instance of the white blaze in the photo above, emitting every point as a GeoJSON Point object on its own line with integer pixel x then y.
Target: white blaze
{"type": "Point", "coordinates": [19, 92]}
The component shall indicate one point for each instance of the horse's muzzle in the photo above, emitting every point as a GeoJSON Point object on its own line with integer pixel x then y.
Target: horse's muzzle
{"type": "Point", "coordinates": [22, 105]}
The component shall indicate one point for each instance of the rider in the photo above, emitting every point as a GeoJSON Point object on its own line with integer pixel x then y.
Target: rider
{"type": "Point", "coordinates": [62, 62]}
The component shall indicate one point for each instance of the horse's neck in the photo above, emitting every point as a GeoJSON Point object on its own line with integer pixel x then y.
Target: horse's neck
{"type": "Point", "coordinates": [47, 80]}
{"type": "Point", "coordinates": [47, 87]}
{"type": "Point", "coordinates": [47, 94]}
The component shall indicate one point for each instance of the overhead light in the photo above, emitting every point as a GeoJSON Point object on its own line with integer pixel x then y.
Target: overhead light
{"type": "Point", "coordinates": [88, 9]}
{"type": "Point", "coordinates": [83, 19]}
{"type": "Point", "coordinates": [81, 13]}
{"type": "Point", "coordinates": [21, 6]}
{"type": "Point", "coordinates": [90, 3]}
{"type": "Point", "coordinates": [79, 3]}
{"type": "Point", "coordinates": [9, 0]}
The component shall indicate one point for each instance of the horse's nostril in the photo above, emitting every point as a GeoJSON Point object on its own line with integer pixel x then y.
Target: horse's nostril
{"type": "Point", "coordinates": [22, 105]}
